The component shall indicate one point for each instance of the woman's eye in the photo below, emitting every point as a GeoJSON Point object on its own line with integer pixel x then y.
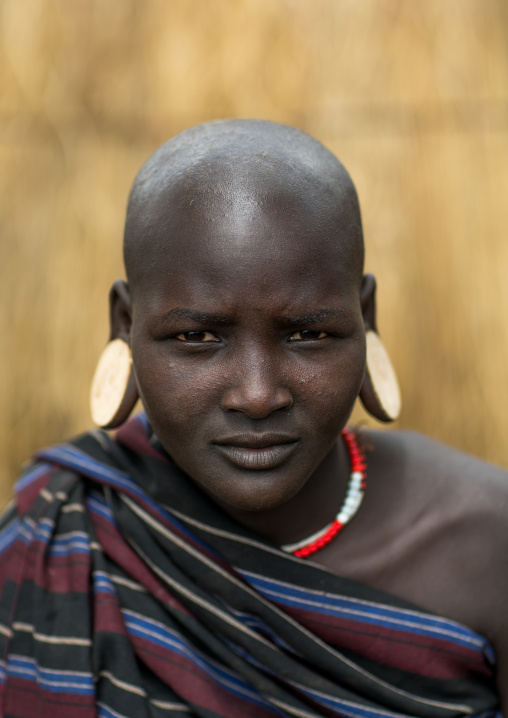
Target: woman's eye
{"type": "Point", "coordinates": [307, 335]}
{"type": "Point", "coordinates": [197, 337]}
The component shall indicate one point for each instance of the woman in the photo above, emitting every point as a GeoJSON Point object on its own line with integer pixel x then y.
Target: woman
{"type": "Point", "coordinates": [222, 555]}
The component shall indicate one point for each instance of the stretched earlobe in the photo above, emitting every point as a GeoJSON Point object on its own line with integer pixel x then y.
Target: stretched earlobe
{"type": "Point", "coordinates": [380, 393]}
{"type": "Point", "coordinates": [113, 393]}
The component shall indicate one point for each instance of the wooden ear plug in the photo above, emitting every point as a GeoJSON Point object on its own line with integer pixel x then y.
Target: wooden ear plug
{"type": "Point", "coordinates": [380, 393]}
{"type": "Point", "coordinates": [113, 393]}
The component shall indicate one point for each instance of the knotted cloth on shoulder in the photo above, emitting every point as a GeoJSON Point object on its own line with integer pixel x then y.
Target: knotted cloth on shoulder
{"type": "Point", "coordinates": [126, 592]}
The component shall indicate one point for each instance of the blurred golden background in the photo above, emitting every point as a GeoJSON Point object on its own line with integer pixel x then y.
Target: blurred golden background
{"type": "Point", "coordinates": [412, 96]}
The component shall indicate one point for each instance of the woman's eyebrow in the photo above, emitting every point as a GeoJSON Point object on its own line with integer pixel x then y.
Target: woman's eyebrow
{"type": "Point", "coordinates": [199, 317]}
{"type": "Point", "coordinates": [209, 318]}
{"type": "Point", "coordinates": [313, 317]}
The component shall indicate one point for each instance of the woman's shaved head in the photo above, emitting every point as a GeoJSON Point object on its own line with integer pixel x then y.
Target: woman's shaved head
{"type": "Point", "coordinates": [242, 174]}
{"type": "Point", "coordinates": [246, 309]}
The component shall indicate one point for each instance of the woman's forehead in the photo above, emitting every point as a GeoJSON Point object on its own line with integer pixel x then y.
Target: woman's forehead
{"type": "Point", "coordinates": [250, 247]}
{"type": "Point", "coordinates": [275, 266]}
{"type": "Point", "coordinates": [246, 235]}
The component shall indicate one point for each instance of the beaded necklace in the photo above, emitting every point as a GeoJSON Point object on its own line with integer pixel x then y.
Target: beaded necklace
{"type": "Point", "coordinates": [350, 505]}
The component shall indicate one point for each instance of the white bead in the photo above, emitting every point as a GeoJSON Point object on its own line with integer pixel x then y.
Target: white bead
{"type": "Point", "coordinates": [355, 505]}
{"type": "Point", "coordinates": [357, 476]}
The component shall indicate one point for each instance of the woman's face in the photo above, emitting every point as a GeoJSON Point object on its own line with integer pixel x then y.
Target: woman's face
{"type": "Point", "coordinates": [249, 350]}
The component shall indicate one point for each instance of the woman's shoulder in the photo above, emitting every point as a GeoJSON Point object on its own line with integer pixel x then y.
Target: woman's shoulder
{"type": "Point", "coordinates": [463, 494]}
{"type": "Point", "coordinates": [456, 512]}
{"type": "Point", "coordinates": [433, 467]}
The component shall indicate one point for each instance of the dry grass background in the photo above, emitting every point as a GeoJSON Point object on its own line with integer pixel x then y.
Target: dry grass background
{"type": "Point", "coordinates": [413, 97]}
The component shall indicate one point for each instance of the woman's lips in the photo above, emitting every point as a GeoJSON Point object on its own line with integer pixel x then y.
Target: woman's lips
{"type": "Point", "coordinates": [257, 457]}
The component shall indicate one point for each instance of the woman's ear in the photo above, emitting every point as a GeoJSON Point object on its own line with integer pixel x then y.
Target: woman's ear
{"type": "Point", "coordinates": [114, 392]}
{"type": "Point", "coordinates": [120, 311]}
{"type": "Point", "coordinates": [368, 301]}
{"type": "Point", "coordinates": [380, 392]}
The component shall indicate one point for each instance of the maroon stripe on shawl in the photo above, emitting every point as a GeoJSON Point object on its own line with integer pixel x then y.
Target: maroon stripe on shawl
{"type": "Point", "coordinates": [115, 546]}
{"type": "Point", "coordinates": [107, 616]}
{"type": "Point", "coordinates": [192, 684]}
{"type": "Point", "coordinates": [12, 563]}
{"type": "Point", "coordinates": [28, 495]}
{"type": "Point", "coordinates": [25, 699]}
{"type": "Point", "coordinates": [427, 655]}
{"type": "Point", "coordinates": [57, 574]}
{"type": "Point", "coordinates": [133, 435]}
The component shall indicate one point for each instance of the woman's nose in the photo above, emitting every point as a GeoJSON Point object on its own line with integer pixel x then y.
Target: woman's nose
{"type": "Point", "coordinates": [257, 390]}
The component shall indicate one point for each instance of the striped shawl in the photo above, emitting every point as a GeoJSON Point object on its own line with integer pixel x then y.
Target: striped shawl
{"type": "Point", "coordinates": [126, 592]}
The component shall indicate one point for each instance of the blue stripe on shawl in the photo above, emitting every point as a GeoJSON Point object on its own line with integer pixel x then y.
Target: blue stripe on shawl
{"type": "Point", "coordinates": [102, 583]}
{"type": "Point", "coordinates": [9, 535]}
{"type": "Point", "coordinates": [44, 529]}
{"type": "Point", "coordinates": [256, 624]}
{"type": "Point", "coordinates": [155, 632]}
{"type": "Point", "coordinates": [365, 612]}
{"type": "Point", "coordinates": [104, 711]}
{"type": "Point", "coordinates": [42, 532]}
{"type": "Point", "coordinates": [69, 456]}
{"type": "Point", "coordinates": [98, 505]}
{"type": "Point", "coordinates": [33, 473]}
{"type": "Point", "coordinates": [27, 530]}
{"type": "Point", "coordinates": [142, 418]}
{"type": "Point", "coordinates": [52, 680]}
{"type": "Point", "coordinates": [77, 542]}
